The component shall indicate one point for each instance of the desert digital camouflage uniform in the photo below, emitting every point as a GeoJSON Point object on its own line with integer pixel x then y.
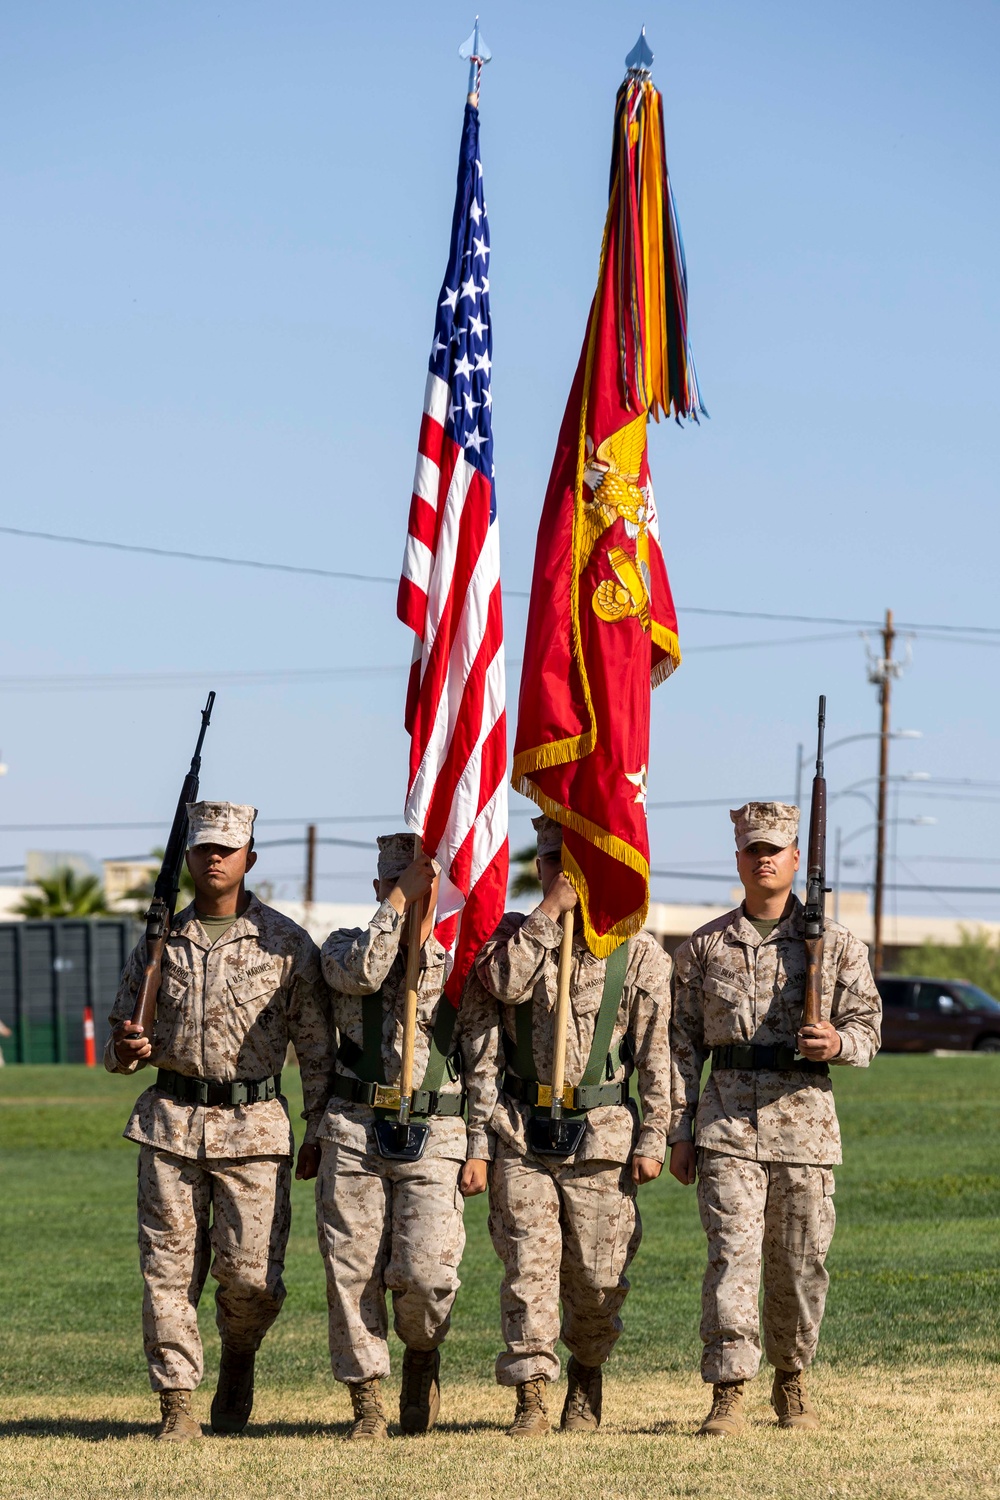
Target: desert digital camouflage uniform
{"type": "Point", "coordinates": [396, 1226]}
{"type": "Point", "coordinates": [767, 1140]}
{"type": "Point", "coordinates": [224, 1012]}
{"type": "Point", "coordinates": [570, 1228]}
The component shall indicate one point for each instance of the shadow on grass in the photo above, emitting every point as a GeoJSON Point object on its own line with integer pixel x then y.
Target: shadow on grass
{"type": "Point", "coordinates": [87, 1430]}
{"type": "Point", "coordinates": [666, 1428]}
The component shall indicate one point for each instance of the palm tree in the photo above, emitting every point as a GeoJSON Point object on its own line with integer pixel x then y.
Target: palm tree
{"type": "Point", "coordinates": [526, 881]}
{"type": "Point", "coordinates": [64, 893]}
{"type": "Point", "coordinates": [144, 893]}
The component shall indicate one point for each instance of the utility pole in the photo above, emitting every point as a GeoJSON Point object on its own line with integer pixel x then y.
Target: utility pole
{"type": "Point", "coordinates": [310, 868]}
{"type": "Point", "coordinates": [881, 674]}
{"type": "Point", "coordinates": [799, 760]}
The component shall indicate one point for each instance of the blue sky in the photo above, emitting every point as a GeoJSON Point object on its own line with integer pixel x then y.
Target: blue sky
{"type": "Point", "coordinates": [225, 228]}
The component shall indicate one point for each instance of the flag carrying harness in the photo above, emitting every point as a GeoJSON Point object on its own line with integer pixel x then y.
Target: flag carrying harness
{"type": "Point", "coordinates": [602, 1064]}
{"type": "Point", "coordinates": [370, 1086]}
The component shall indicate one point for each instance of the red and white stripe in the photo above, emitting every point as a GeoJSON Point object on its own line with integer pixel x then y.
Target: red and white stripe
{"type": "Point", "coordinates": [449, 596]}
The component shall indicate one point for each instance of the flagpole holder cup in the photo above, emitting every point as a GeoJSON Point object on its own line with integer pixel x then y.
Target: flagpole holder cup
{"type": "Point", "coordinates": [396, 1141]}
{"type": "Point", "coordinates": [551, 1135]}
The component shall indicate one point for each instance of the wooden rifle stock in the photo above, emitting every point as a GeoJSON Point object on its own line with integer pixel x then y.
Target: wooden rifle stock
{"type": "Point", "coordinates": [815, 906]}
{"type": "Point", "coordinates": [164, 902]}
{"type": "Point", "coordinates": [158, 919]}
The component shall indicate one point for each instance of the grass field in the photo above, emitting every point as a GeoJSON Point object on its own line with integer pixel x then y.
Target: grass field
{"type": "Point", "coordinates": [908, 1374]}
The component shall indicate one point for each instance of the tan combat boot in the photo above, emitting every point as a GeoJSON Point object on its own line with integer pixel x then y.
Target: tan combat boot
{"type": "Point", "coordinates": [727, 1418]}
{"type": "Point", "coordinates": [582, 1408]}
{"type": "Point", "coordinates": [789, 1399]}
{"type": "Point", "coordinates": [531, 1419]}
{"type": "Point", "coordinates": [370, 1422]}
{"type": "Point", "coordinates": [233, 1401]}
{"type": "Point", "coordinates": [177, 1424]}
{"type": "Point", "coordinates": [420, 1393]}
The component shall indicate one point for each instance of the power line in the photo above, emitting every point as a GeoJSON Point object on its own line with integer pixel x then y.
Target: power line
{"type": "Point", "coordinates": [703, 802]}
{"type": "Point", "coordinates": [788, 640]}
{"type": "Point", "coordinates": [955, 890]}
{"type": "Point", "coordinates": [283, 843]}
{"type": "Point", "coordinates": [278, 676]}
{"type": "Point", "coordinates": [278, 567]}
{"type": "Point", "coordinates": [63, 682]}
{"type": "Point", "coordinates": [946, 796]}
{"type": "Point", "coordinates": [212, 557]}
{"type": "Point", "coordinates": [952, 859]}
{"type": "Point", "coordinates": [160, 823]}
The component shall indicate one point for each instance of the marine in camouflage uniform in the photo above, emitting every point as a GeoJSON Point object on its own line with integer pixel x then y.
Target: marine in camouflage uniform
{"type": "Point", "coordinates": [569, 1228]}
{"type": "Point", "coordinates": [214, 1177]}
{"type": "Point", "coordinates": [764, 1133]}
{"type": "Point", "coordinates": [390, 1226]}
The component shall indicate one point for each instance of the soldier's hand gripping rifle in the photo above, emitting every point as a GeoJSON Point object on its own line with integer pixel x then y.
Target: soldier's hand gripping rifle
{"type": "Point", "coordinates": [815, 913]}
{"type": "Point", "coordinates": [164, 902]}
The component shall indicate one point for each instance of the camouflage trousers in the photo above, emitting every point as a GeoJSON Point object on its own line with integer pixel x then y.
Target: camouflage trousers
{"type": "Point", "coordinates": [784, 1213]}
{"type": "Point", "coordinates": [563, 1230]}
{"type": "Point", "coordinates": [228, 1214]}
{"type": "Point", "coordinates": [387, 1226]}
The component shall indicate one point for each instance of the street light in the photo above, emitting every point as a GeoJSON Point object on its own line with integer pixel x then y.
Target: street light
{"type": "Point", "coordinates": [873, 780]}
{"type": "Point", "coordinates": [850, 739]}
{"type": "Point", "coordinates": [895, 734]}
{"type": "Point", "coordinates": [839, 843]}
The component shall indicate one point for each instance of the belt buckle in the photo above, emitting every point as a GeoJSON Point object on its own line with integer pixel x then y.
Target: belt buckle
{"type": "Point", "coordinates": [385, 1098]}
{"type": "Point", "coordinates": [239, 1093]}
{"type": "Point", "coordinates": [545, 1096]}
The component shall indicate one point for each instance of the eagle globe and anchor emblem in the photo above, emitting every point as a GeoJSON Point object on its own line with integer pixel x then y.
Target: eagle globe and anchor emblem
{"type": "Point", "coordinates": [611, 475]}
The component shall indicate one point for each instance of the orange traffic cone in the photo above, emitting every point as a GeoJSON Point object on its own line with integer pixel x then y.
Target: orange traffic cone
{"type": "Point", "coordinates": [89, 1049]}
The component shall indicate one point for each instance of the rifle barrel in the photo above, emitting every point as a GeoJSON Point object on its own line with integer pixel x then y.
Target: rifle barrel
{"type": "Point", "coordinates": [166, 887]}
{"type": "Point", "coordinates": [815, 916]}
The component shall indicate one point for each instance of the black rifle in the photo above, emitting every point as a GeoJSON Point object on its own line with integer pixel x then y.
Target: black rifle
{"type": "Point", "coordinates": [164, 902]}
{"type": "Point", "coordinates": [815, 914]}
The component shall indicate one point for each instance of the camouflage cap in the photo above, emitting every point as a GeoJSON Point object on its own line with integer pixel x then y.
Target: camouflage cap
{"type": "Point", "coordinates": [774, 823]}
{"type": "Point", "coordinates": [395, 852]}
{"type": "Point", "coordinates": [227, 823]}
{"type": "Point", "coordinates": [548, 834]}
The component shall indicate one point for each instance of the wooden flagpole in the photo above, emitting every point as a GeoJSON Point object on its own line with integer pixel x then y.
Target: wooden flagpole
{"type": "Point", "coordinates": [414, 923]}
{"type": "Point", "coordinates": [562, 1016]}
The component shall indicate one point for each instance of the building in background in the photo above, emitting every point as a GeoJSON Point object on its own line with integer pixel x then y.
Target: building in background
{"type": "Point", "coordinates": [121, 876]}
{"type": "Point", "coordinates": [43, 864]}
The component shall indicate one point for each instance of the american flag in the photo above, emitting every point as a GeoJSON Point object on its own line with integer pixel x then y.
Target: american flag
{"type": "Point", "coordinates": [449, 595]}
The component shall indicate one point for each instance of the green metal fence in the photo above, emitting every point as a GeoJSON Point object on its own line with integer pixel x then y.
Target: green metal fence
{"type": "Point", "coordinates": [49, 971]}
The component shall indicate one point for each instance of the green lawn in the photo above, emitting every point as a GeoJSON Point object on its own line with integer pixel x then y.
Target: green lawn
{"type": "Point", "coordinates": [915, 1264]}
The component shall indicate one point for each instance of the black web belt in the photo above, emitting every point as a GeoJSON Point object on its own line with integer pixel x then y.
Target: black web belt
{"type": "Point", "coordinates": [385, 1096]}
{"type": "Point", "coordinates": [582, 1098]}
{"type": "Point", "coordinates": [754, 1058]}
{"type": "Point", "coordinates": [186, 1090]}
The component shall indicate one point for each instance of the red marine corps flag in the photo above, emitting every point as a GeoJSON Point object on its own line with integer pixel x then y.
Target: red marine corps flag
{"type": "Point", "coordinates": [601, 623]}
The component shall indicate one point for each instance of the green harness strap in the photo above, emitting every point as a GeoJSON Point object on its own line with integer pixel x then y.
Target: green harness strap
{"type": "Point", "coordinates": [611, 999]}
{"type": "Point", "coordinates": [440, 1045]}
{"type": "Point", "coordinates": [369, 1067]}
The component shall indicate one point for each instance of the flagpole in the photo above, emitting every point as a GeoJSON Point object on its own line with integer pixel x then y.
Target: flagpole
{"type": "Point", "coordinates": [400, 1138]}
{"type": "Point", "coordinates": [476, 52]}
{"type": "Point", "coordinates": [414, 923]}
{"type": "Point", "coordinates": [561, 1017]}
